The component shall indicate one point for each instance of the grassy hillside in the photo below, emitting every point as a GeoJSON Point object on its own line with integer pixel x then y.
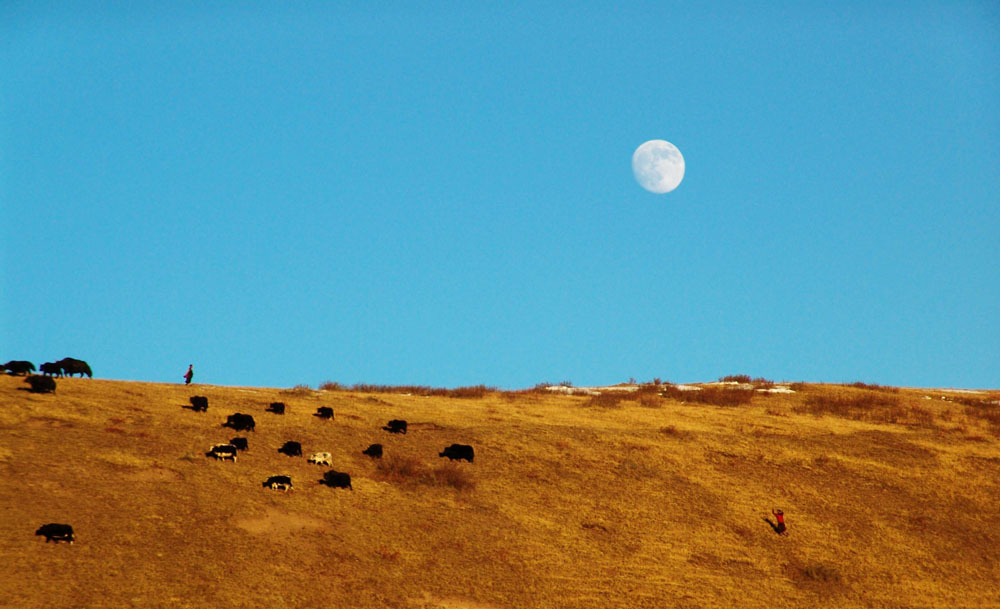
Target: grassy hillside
{"type": "Point", "coordinates": [573, 501]}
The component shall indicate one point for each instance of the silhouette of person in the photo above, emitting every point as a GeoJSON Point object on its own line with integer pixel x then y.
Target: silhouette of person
{"type": "Point", "coordinates": [189, 374]}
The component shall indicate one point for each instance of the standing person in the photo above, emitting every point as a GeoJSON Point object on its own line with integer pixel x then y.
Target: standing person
{"type": "Point", "coordinates": [189, 374]}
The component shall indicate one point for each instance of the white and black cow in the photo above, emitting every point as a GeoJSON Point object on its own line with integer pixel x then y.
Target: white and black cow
{"type": "Point", "coordinates": [278, 483]}
{"type": "Point", "coordinates": [222, 452]}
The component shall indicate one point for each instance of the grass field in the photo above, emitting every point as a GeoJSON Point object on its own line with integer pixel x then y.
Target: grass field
{"type": "Point", "coordinates": [890, 495]}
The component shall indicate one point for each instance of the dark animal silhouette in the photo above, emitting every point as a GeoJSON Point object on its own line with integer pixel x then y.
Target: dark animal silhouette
{"type": "Point", "coordinates": [41, 384]}
{"type": "Point", "coordinates": [199, 403]}
{"type": "Point", "coordinates": [283, 483]}
{"type": "Point", "coordinates": [337, 480]}
{"type": "Point", "coordinates": [396, 426]}
{"type": "Point", "coordinates": [72, 366]}
{"type": "Point", "coordinates": [292, 449]}
{"type": "Point", "coordinates": [324, 412]}
{"type": "Point", "coordinates": [276, 408]}
{"type": "Point", "coordinates": [240, 422]}
{"type": "Point", "coordinates": [56, 532]}
{"type": "Point", "coordinates": [50, 368]}
{"type": "Point", "coordinates": [239, 443]}
{"type": "Point", "coordinates": [223, 452]}
{"type": "Point", "coordinates": [19, 367]}
{"type": "Point", "coordinates": [459, 451]}
{"type": "Point", "coordinates": [374, 451]}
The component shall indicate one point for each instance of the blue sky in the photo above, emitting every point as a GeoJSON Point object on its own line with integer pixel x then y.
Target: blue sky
{"type": "Point", "coordinates": [442, 195]}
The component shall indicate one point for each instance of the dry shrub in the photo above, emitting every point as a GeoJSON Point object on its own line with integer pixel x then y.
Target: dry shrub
{"type": "Point", "coordinates": [397, 468]}
{"type": "Point", "coordinates": [386, 554]}
{"type": "Point", "coordinates": [871, 406]}
{"type": "Point", "coordinates": [610, 399]}
{"type": "Point", "coordinates": [873, 387]}
{"type": "Point", "coordinates": [672, 431]}
{"type": "Point", "coordinates": [331, 386]}
{"type": "Point", "coordinates": [118, 430]}
{"type": "Point", "coordinates": [454, 476]}
{"type": "Point", "coordinates": [647, 400]}
{"type": "Point", "coordinates": [298, 390]}
{"type": "Point", "coordinates": [475, 391]}
{"type": "Point", "coordinates": [798, 387]}
{"type": "Point", "coordinates": [715, 396]}
{"type": "Point", "coordinates": [762, 383]}
{"type": "Point", "coordinates": [735, 378]}
{"type": "Point", "coordinates": [816, 572]}
{"type": "Point", "coordinates": [403, 469]}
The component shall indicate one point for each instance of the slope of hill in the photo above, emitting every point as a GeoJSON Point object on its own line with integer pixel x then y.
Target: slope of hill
{"type": "Point", "coordinates": [573, 501]}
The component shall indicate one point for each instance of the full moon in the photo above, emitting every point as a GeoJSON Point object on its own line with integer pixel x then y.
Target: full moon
{"type": "Point", "coordinates": [658, 166]}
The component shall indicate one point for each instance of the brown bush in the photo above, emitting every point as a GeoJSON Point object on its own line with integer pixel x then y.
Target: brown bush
{"type": "Point", "coordinates": [610, 399]}
{"type": "Point", "coordinates": [872, 406]}
{"type": "Point", "coordinates": [735, 378]}
{"type": "Point", "coordinates": [475, 391]}
{"type": "Point", "coordinates": [331, 386]}
{"type": "Point", "coordinates": [403, 469]}
{"type": "Point", "coordinates": [872, 387]}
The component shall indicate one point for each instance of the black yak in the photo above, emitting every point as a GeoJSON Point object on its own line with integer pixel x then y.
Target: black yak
{"type": "Point", "coordinates": [292, 449]}
{"type": "Point", "coordinates": [41, 384]}
{"type": "Point", "coordinates": [459, 451]}
{"type": "Point", "coordinates": [19, 367]}
{"type": "Point", "coordinates": [396, 426]}
{"type": "Point", "coordinates": [56, 532]}
{"type": "Point", "coordinates": [337, 480]}
{"type": "Point", "coordinates": [72, 366]}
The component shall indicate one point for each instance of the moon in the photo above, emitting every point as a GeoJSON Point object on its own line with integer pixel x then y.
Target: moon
{"type": "Point", "coordinates": [658, 166]}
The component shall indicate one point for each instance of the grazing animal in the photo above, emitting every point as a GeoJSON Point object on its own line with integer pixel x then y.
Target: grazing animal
{"type": "Point", "coordinates": [199, 403]}
{"type": "Point", "coordinates": [50, 368]}
{"type": "Point", "coordinates": [459, 451]}
{"type": "Point", "coordinates": [337, 480]}
{"type": "Point", "coordinates": [276, 408]}
{"type": "Point", "coordinates": [56, 532]}
{"type": "Point", "coordinates": [396, 426]}
{"type": "Point", "coordinates": [41, 384]}
{"type": "Point", "coordinates": [240, 422]}
{"type": "Point", "coordinates": [239, 443]}
{"type": "Point", "coordinates": [19, 367]}
{"type": "Point", "coordinates": [324, 412]}
{"type": "Point", "coordinates": [374, 451]}
{"type": "Point", "coordinates": [275, 483]}
{"type": "Point", "coordinates": [222, 452]}
{"type": "Point", "coordinates": [72, 366]}
{"type": "Point", "coordinates": [292, 449]}
{"type": "Point", "coordinates": [321, 458]}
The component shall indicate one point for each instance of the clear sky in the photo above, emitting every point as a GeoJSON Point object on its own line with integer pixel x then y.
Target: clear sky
{"type": "Point", "coordinates": [441, 193]}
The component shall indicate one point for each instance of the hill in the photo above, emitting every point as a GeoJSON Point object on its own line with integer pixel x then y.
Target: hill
{"type": "Point", "coordinates": [644, 497]}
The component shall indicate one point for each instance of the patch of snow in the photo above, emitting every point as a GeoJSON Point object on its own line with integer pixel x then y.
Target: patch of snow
{"type": "Point", "coordinates": [687, 387]}
{"type": "Point", "coordinates": [778, 389]}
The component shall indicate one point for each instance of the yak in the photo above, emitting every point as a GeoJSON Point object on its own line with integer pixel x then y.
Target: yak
{"type": "Point", "coordinates": [276, 408]}
{"type": "Point", "coordinates": [337, 480]}
{"type": "Point", "coordinates": [240, 422]}
{"type": "Point", "coordinates": [292, 449]}
{"type": "Point", "coordinates": [56, 532]}
{"type": "Point", "coordinates": [41, 384]}
{"type": "Point", "coordinates": [72, 366]}
{"type": "Point", "coordinates": [18, 367]}
{"type": "Point", "coordinates": [374, 451]}
{"type": "Point", "coordinates": [459, 451]}
{"type": "Point", "coordinates": [396, 426]}
{"type": "Point", "coordinates": [324, 412]}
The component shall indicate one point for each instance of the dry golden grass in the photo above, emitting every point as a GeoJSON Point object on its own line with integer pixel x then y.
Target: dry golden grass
{"type": "Point", "coordinates": [650, 503]}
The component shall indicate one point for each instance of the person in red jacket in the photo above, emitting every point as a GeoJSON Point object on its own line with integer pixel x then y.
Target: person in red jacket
{"type": "Point", "coordinates": [189, 374]}
{"type": "Point", "coordinates": [779, 528]}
